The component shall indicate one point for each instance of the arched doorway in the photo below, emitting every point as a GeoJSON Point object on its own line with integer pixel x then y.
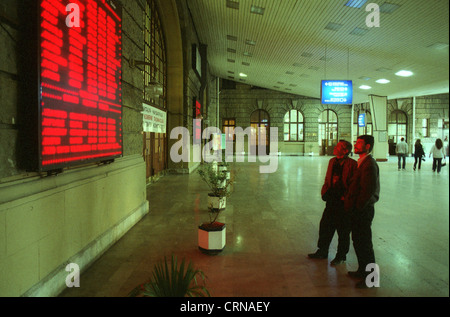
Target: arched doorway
{"type": "Point", "coordinates": [397, 129]}
{"type": "Point", "coordinates": [260, 124]}
{"type": "Point", "coordinates": [328, 131]}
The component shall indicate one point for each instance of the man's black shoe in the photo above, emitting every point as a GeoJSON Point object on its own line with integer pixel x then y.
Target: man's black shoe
{"type": "Point", "coordinates": [338, 260]}
{"type": "Point", "coordinates": [318, 255]}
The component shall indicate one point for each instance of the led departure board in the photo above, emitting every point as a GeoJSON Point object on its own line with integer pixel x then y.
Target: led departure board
{"type": "Point", "coordinates": [80, 77]}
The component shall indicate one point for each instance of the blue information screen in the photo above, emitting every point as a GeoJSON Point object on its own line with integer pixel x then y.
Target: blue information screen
{"type": "Point", "coordinates": [362, 120]}
{"type": "Point", "coordinates": [337, 92]}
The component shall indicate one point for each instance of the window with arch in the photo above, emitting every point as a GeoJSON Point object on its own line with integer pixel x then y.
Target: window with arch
{"type": "Point", "coordinates": [293, 126]}
{"type": "Point", "coordinates": [328, 127]}
{"type": "Point", "coordinates": [362, 130]}
{"type": "Point", "coordinates": [397, 126]}
{"type": "Point", "coordinates": [155, 54]}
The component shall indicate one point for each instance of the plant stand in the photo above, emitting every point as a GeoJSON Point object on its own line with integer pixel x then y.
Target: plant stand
{"type": "Point", "coordinates": [212, 237]}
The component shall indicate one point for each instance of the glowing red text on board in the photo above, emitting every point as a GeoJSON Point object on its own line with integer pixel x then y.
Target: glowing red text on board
{"type": "Point", "coordinates": [80, 81]}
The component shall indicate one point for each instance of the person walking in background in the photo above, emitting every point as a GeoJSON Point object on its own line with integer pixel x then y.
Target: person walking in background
{"type": "Point", "coordinates": [402, 151]}
{"type": "Point", "coordinates": [418, 153]}
{"type": "Point", "coordinates": [362, 195]}
{"type": "Point", "coordinates": [334, 218]}
{"type": "Point", "coordinates": [438, 154]}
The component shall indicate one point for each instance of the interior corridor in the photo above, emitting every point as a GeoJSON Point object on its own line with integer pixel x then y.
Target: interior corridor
{"type": "Point", "coordinates": [272, 224]}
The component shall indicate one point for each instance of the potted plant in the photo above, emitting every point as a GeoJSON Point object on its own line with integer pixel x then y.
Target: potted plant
{"type": "Point", "coordinates": [212, 234]}
{"type": "Point", "coordinates": [173, 281]}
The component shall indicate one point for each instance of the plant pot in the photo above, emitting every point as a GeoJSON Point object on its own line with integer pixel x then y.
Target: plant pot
{"type": "Point", "coordinates": [212, 237]}
{"type": "Point", "coordinates": [216, 203]}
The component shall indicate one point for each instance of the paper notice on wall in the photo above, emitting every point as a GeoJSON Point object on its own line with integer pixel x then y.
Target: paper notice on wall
{"type": "Point", "coordinates": [153, 119]}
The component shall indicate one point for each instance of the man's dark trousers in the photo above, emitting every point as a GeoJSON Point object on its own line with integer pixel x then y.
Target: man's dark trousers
{"type": "Point", "coordinates": [334, 219]}
{"type": "Point", "coordinates": [362, 237]}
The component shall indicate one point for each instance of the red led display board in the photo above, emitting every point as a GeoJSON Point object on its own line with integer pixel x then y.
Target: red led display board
{"type": "Point", "coordinates": [197, 124]}
{"type": "Point", "coordinates": [80, 72]}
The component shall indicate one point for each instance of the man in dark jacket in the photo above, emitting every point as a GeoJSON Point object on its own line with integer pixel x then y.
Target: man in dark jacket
{"type": "Point", "coordinates": [334, 218]}
{"type": "Point", "coordinates": [362, 195]}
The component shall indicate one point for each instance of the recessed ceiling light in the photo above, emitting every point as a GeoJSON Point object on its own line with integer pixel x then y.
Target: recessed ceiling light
{"type": "Point", "coordinates": [232, 4]}
{"type": "Point", "coordinates": [231, 37]}
{"type": "Point", "coordinates": [404, 73]}
{"type": "Point", "coordinates": [248, 54]}
{"type": "Point", "coordinates": [383, 69]}
{"type": "Point", "coordinates": [250, 42]}
{"type": "Point", "coordinates": [231, 50]}
{"type": "Point", "coordinates": [242, 75]}
{"type": "Point", "coordinates": [383, 81]}
{"type": "Point", "coordinates": [438, 46]}
{"type": "Point", "coordinates": [365, 87]}
{"type": "Point", "coordinates": [359, 31]}
{"type": "Point", "coordinates": [388, 7]}
{"type": "Point", "coordinates": [333, 26]}
{"type": "Point", "coordinates": [257, 10]}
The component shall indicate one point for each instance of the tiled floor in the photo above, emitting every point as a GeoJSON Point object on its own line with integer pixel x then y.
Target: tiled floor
{"type": "Point", "coordinates": [272, 223]}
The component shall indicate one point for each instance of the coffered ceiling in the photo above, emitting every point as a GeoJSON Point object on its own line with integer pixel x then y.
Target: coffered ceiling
{"type": "Point", "coordinates": [291, 45]}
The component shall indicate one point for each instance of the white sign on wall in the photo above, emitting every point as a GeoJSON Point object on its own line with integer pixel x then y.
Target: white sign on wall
{"type": "Point", "coordinates": [153, 119]}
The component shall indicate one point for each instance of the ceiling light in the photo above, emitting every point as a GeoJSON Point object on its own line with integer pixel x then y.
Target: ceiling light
{"type": "Point", "coordinates": [365, 87]}
{"type": "Point", "coordinates": [231, 37]}
{"type": "Point", "coordinates": [242, 75]}
{"type": "Point", "coordinates": [333, 26]}
{"type": "Point", "coordinates": [359, 31]}
{"type": "Point", "coordinates": [257, 10]}
{"type": "Point", "coordinates": [355, 3]}
{"type": "Point", "coordinates": [250, 42]}
{"type": "Point", "coordinates": [404, 73]}
{"type": "Point", "coordinates": [388, 7]}
{"type": "Point", "coordinates": [364, 78]}
{"type": "Point", "coordinates": [438, 46]}
{"type": "Point", "coordinates": [232, 4]}
{"type": "Point", "coordinates": [383, 81]}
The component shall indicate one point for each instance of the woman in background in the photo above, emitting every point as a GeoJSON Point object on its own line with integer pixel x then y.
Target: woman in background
{"type": "Point", "coordinates": [438, 154]}
{"type": "Point", "coordinates": [418, 153]}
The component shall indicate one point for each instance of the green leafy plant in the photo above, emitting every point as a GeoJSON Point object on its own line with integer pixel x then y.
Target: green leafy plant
{"type": "Point", "coordinates": [218, 183]}
{"type": "Point", "coordinates": [173, 280]}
